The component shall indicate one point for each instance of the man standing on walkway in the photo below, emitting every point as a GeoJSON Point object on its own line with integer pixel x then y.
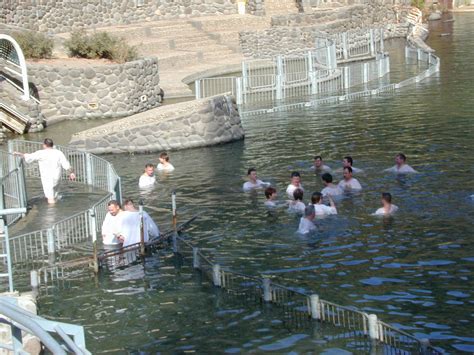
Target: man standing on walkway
{"type": "Point", "coordinates": [50, 161]}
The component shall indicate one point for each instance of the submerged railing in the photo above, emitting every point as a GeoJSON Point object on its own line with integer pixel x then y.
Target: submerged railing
{"type": "Point", "coordinates": [301, 305]}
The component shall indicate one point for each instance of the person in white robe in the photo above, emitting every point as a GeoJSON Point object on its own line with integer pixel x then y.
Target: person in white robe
{"type": "Point", "coordinates": [296, 205]}
{"type": "Point", "coordinates": [147, 179]}
{"type": "Point", "coordinates": [150, 228]}
{"type": "Point", "coordinates": [164, 165]}
{"type": "Point", "coordinates": [254, 182]}
{"type": "Point", "coordinates": [306, 223]}
{"type": "Point", "coordinates": [295, 183]}
{"type": "Point", "coordinates": [401, 167]}
{"type": "Point", "coordinates": [349, 183]}
{"type": "Point", "coordinates": [50, 162]}
{"type": "Point", "coordinates": [321, 209]}
{"type": "Point", "coordinates": [329, 188]}
{"type": "Point", "coordinates": [388, 207]}
{"type": "Point", "coordinates": [318, 165]}
{"type": "Point", "coordinates": [112, 225]}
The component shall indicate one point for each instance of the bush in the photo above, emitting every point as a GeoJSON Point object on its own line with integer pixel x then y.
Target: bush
{"type": "Point", "coordinates": [34, 45]}
{"type": "Point", "coordinates": [99, 45]}
{"type": "Point", "coordinates": [418, 3]}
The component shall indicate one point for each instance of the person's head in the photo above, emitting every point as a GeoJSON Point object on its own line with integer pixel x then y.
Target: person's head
{"type": "Point", "coordinates": [252, 174]}
{"type": "Point", "coordinates": [295, 178]}
{"type": "Point", "coordinates": [316, 198]}
{"type": "Point", "coordinates": [386, 198]}
{"type": "Point", "coordinates": [128, 205]}
{"type": "Point", "coordinates": [309, 212]}
{"type": "Point", "coordinates": [298, 195]}
{"type": "Point", "coordinates": [400, 159]}
{"type": "Point", "coordinates": [347, 173]}
{"type": "Point", "coordinates": [48, 143]}
{"type": "Point", "coordinates": [164, 158]}
{"type": "Point", "coordinates": [113, 207]}
{"type": "Point", "coordinates": [347, 161]}
{"type": "Point", "coordinates": [270, 193]}
{"type": "Point", "coordinates": [318, 161]}
{"type": "Point", "coordinates": [149, 169]}
{"type": "Point", "coordinates": [327, 178]}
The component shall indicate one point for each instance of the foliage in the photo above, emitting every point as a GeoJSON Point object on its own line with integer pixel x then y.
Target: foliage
{"type": "Point", "coordinates": [34, 45]}
{"type": "Point", "coordinates": [418, 3]}
{"type": "Point", "coordinates": [99, 45]}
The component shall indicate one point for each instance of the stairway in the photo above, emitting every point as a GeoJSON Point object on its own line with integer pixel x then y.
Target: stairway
{"type": "Point", "coordinates": [280, 7]}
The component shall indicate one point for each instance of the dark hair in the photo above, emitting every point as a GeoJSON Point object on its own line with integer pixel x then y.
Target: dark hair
{"type": "Point", "coordinates": [165, 156]}
{"type": "Point", "coordinates": [387, 197]}
{"type": "Point", "coordinates": [349, 169]}
{"type": "Point", "coordinates": [48, 142]}
{"type": "Point", "coordinates": [113, 202]}
{"type": "Point", "coordinates": [295, 174]}
{"type": "Point", "coordinates": [309, 210]}
{"type": "Point", "coordinates": [250, 170]}
{"type": "Point", "coordinates": [316, 197]}
{"type": "Point", "coordinates": [318, 157]}
{"type": "Point", "coordinates": [349, 160]}
{"type": "Point", "coordinates": [128, 202]}
{"type": "Point", "coordinates": [326, 177]}
{"type": "Point", "coordinates": [298, 194]}
{"type": "Point", "coordinates": [269, 191]}
{"type": "Point", "coordinates": [149, 165]}
{"type": "Point", "coordinates": [402, 156]}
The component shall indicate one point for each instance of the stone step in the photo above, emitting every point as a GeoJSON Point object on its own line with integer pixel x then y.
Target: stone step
{"type": "Point", "coordinates": [231, 23]}
{"type": "Point", "coordinates": [197, 43]}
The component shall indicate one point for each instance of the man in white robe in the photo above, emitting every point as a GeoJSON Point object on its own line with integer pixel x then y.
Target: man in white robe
{"type": "Point", "coordinates": [112, 225]}
{"type": "Point", "coordinates": [349, 183]}
{"type": "Point", "coordinates": [150, 229]}
{"type": "Point", "coordinates": [147, 179]}
{"type": "Point", "coordinates": [401, 167]}
{"type": "Point", "coordinates": [50, 162]}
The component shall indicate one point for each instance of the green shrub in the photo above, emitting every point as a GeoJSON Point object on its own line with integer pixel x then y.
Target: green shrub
{"type": "Point", "coordinates": [418, 3]}
{"type": "Point", "coordinates": [99, 45]}
{"type": "Point", "coordinates": [34, 45]}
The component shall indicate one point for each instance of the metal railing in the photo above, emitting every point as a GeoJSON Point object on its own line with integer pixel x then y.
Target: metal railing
{"type": "Point", "coordinates": [59, 338]}
{"type": "Point", "coordinates": [300, 306]}
{"type": "Point", "coordinates": [416, 54]}
{"type": "Point", "coordinates": [12, 185]}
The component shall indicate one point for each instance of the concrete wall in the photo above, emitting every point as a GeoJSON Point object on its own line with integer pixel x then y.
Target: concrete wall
{"type": "Point", "coordinates": [296, 33]}
{"type": "Point", "coordinates": [111, 90]}
{"type": "Point", "coordinates": [191, 124]}
{"type": "Point", "coordinates": [55, 16]}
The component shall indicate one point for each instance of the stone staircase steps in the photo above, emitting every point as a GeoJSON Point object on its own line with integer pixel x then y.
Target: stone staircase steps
{"type": "Point", "coordinates": [278, 7]}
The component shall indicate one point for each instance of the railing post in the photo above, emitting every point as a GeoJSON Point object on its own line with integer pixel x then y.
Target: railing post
{"type": "Point", "coordinates": [382, 42]}
{"type": "Point", "coordinates": [197, 89]}
{"type": "Point", "coordinates": [372, 42]}
{"type": "Point", "coordinates": [89, 173]}
{"type": "Point", "coordinates": [366, 72]}
{"type": "Point", "coordinates": [373, 327]}
{"type": "Point", "coordinates": [279, 79]}
{"type": "Point", "coordinates": [216, 275]}
{"type": "Point", "coordinates": [267, 290]}
{"type": "Point", "coordinates": [347, 77]}
{"type": "Point", "coordinates": [142, 228]}
{"type": "Point", "coordinates": [425, 344]}
{"type": "Point", "coordinates": [4, 229]}
{"type": "Point", "coordinates": [345, 49]}
{"type": "Point", "coordinates": [238, 91]}
{"type": "Point", "coordinates": [418, 54]}
{"type": "Point", "coordinates": [196, 261]}
{"type": "Point", "coordinates": [51, 244]}
{"type": "Point", "coordinates": [93, 229]}
{"type": "Point", "coordinates": [315, 307]}
{"type": "Point", "coordinates": [34, 282]}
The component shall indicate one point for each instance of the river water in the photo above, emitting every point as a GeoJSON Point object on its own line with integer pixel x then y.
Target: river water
{"type": "Point", "coordinates": [414, 270]}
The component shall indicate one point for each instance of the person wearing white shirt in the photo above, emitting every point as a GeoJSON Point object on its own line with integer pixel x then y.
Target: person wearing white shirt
{"type": "Point", "coordinates": [150, 229]}
{"type": "Point", "coordinates": [349, 183]}
{"type": "Point", "coordinates": [388, 208]}
{"type": "Point", "coordinates": [329, 188]}
{"type": "Point", "coordinates": [348, 162]}
{"type": "Point", "coordinates": [296, 205]}
{"type": "Point", "coordinates": [254, 182]}
{"type": "Point", "coordinates": [401, 167]}
{"type": "Point", "coordinates": [318, 165]}
{"type": "Point", "coordinates": [321, 209]}
{"type": "Point", "coordinates": [50, 162]}
{"type": "Point", "coordinates": [147, 179]}
{"type": "Point", "coordinates": [306, 223]}
{"type": "Point", "coordinates": [271, 195]}
{"type": "Point", "coordinates": [112, 225]}
{"type": "Point", "coordinates": [294, 184]}
{"type": "Point", "coordinates": [164, 164]}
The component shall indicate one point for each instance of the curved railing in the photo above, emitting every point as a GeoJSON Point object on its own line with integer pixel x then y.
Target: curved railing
{"type": "Point", "coordinates": [301, 305]}
{"type": "Point", "coordinates": [82, 226]}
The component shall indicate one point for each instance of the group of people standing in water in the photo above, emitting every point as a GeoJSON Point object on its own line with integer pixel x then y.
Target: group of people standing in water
{"type": "Point", "coordinates": [322, 203]}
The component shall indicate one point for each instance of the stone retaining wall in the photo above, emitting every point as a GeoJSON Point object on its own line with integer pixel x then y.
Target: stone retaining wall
{"type": "Point", "coordinates": [255, 7]}
{"type": "Point", "coordinates": [184, 125]}
{"type": "Point", "coordinates": [55, 16]}
{"type": "Point", "coordinates": [101, 91]}
{"type": "Point", "coordinates": [296, 33]}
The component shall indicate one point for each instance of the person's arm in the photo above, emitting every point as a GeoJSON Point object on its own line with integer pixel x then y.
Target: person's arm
{"type": "Point", "coordinates": [67, 166]}
{"type": "Point", "coordinates": [332, 204]}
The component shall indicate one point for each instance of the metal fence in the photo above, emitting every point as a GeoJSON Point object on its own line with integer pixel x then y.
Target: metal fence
{"type": "Point", "coordinates": [411, 54]}
{"type": "Point", "coordinates": [12, 185]}
{"type": "Point", "coordinates": [300, 306]}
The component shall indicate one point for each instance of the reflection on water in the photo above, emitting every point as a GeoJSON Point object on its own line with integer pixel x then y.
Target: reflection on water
{"type": "Point", "coordinates": [414, 269]}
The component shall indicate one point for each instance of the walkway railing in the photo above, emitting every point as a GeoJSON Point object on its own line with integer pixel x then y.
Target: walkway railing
{"type": "Point", "coordinates": [12, 185]}
{"type": "Point", "coordinates": [311, 73]}
{"type": "Point", "coordinates": [301, 305]}
{"type": "Point", "coordinates": [59, 338]}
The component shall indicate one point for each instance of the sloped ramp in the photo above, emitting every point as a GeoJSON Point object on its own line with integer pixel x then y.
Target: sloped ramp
{"type": "Point", "coordinates": [12, 119]}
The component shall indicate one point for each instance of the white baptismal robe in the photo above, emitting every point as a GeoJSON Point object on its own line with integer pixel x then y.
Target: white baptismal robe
{"type": "Point", "coordinates": [131, 228]}
{"type": "Point", "coordinates": [404, 169]}
{"type": "Point", "coordinates": [168, 167]}
{"type": "Point", "coordinates": [111, 227]}
{"type": "Point", "coordinates": [50, 162]}
{"type": "Point", "coordinates": [291, 189]}
{"type": "Point", "coordinates": [306, 226]}
{"type": "Point", "coordinates": [381, 211]}
{"type": "Point", "coordinates": [146, 181]}
{"type": "Point", "coordinates": [352, 184]}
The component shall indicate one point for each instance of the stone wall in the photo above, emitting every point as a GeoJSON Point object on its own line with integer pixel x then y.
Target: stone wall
{"type": "Point", "coordinates": [191, 124]}
{"type": "Point", "coordinates": [255, 7]}
{"type": "Point", "coordinates": [296, 33]}
{"type": "Point", "coordinates": [55, 16]}
{"type": "Point", "coordinates": [101, 91]}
